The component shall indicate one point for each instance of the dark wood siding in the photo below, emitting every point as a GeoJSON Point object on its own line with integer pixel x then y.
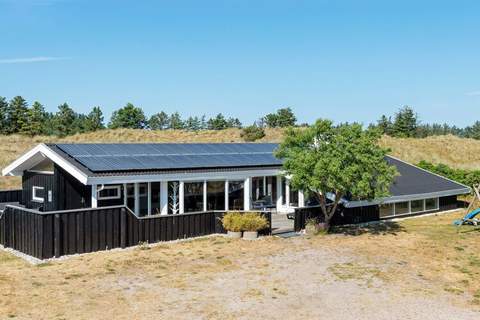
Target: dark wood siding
{"type": "Point", "coordinates": [360, 214]}
{"type": "Point", "coordinates": [46, 235]}
{"type": "Point", "coordinates": [69, 192]}
{"type": "Point", "coordinates": [34, 179]}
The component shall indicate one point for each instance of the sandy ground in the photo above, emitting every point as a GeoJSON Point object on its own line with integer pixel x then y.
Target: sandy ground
{"type": "Point", "coordinates": [322, 277]}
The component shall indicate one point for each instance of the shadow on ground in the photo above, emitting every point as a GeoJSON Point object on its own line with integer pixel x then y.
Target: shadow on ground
{"type": "Point", "coordinates": [374, 228]}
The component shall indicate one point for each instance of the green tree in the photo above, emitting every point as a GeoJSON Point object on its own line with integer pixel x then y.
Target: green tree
{"type": "Point", "coordinates": [64, 121]}
{"type": "Point", "coordinates": [473, 131]}
{"type": "Point", "coordinates": [342, 161]}
{"type": "Point", "coordinates": [129, 116]}
{"type": "Point", "coordinates": [217, 123]}
{"type": "Point", "coordinates": [94, 120]}
{"type": "Point", "coordinates": [17, 115]}
{"type": "Point", "coordinates": [384, 124]}
{"type": "Point", "coordinates": [175, 121]}
{"type": "Point", "coordinates": [193, 124]}
{"type": "Point", "coordinates": [252, 133]}
{"type": "Point", "coordinates": [3, 115]}
{"type": "Point", "coordinates": [405, 123]}
{"type": "Point", "coordinates": [36, 120]}
{"type": "Point", "coordinates": [158, 121]}
{"type": "Point", "coordinates": [282, 118]}
{"type": "Point", "coordinates": [234, 123]}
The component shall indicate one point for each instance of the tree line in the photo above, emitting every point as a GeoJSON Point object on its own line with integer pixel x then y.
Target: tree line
{"type": "Point", "coordinates": [406, 124]}
{"type": "Point", "coordinates": [17, 117]}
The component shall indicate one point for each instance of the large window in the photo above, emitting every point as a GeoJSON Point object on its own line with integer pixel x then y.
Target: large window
{"type": "Point", "coordinates": [131, 196]}
{"type": "Point", "coordinates": [235, 195]}
{"type": "Point", "coordinates": [215, 195]}
{"type": "Point", "coordinates": [408, 207]}
{"type": "Point", "coordinates": [143, 199]}
{"type": "Point", "coordinates": [272, 188]}
{"type": "Point", "coordinates": [258, 188]}
{"type": "Point", "coordinates": [193, 196]}
{"type": "Point", "coordinates": [401, 208]}
{"type": "Point", "coordinates": [155, 189]}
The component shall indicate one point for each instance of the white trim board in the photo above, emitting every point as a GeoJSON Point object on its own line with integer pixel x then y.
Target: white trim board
{"type": "Point", "coordinates": [38, 154]}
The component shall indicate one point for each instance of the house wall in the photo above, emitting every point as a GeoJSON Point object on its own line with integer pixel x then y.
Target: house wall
{"type": "Point", "coordinates": [69, 192]}
{"type": "Point", "coordinates": [35, 179]}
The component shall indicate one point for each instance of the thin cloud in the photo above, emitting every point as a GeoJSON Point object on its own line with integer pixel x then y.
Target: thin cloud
{"type": "Point", "coordinates": [473, 93]}
{"type": "Point", "coordinates": [31, 60]}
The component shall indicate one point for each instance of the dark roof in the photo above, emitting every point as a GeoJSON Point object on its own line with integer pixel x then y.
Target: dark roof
{"type": "Point", "coordinates": [128, 157]}
{"type": "Point", "coordinates": [414, 180]}
{"type": "Point", "coordinates": [151, 158]}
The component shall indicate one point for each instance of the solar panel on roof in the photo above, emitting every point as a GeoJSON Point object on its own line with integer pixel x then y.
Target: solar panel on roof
{"type": "Point", "coordinates": [124, 157]}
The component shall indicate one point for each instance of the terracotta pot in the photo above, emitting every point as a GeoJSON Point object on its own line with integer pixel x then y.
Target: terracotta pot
{"type": "Point", "coordinates": [234, 234]}
{"type": "Point", "coordinates": [250, 235]}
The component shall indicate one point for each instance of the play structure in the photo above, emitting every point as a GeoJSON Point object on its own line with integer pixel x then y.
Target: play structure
{"type": "Point", "coordinates": [471, 217]}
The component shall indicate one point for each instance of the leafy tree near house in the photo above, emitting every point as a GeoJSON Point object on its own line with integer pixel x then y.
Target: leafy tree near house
{"type": "Point", "coordinates": [343, 160]}
{"type": "Point", "coordinates": [129, 116]}
{"type": "Point", "coordinates": [252, 133]}
{"type": "Point", "coordinates": [37, 117]}
{"type": "Point", "coordinates": [17, 115]}
{"type": "Point", "coordinates": [282, 118]}
{"type": "Point", "coordinates": [175, 121]}
{"type": "Point", "coordinates": [405, 123]}
{"type": "Point", "coordinates": [158, 121]}
{"type": "Point", "coordinates": [94, 120]}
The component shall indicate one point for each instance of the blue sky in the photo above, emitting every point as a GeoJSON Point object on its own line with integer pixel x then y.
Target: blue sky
{"type": "Point", "coordinates": [343, 60]}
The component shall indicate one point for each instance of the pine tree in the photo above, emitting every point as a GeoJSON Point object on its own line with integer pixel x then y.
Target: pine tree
{"type": "Point", "coordinates": [36, 120]}
{"type": "Point", "coordinates": [193, 123]}
{"type": "Point", "coordinates": [384, 124]}
{"type": "Point", "coordinates": [94, 120]}
{"type": "Point", "coordinates": [17, 115]}
{"type": "Point", "coordinates": [64, 120]}
{"type": "Point", "coordinates": [158, 121]}
{"type": "Point", "coordinates": [175, 121]}
{"type": "Point", "coordinates": [405, 124]}
{"type": "Point", "coordinates": [3, 115]}
{"type": "Point", "coordinates": [128, 117]}
{"type": "Point", "coordinates": [217, 123]}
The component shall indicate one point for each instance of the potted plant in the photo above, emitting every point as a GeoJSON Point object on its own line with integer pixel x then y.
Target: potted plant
{"type": "Point", "coordinates": [253, 222]}
{"type": "Point", "coordinates": [232, 222]}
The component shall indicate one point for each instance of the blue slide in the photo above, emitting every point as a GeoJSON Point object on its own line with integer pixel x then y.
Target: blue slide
{"type": "Point", "coordinates": [469, 218]}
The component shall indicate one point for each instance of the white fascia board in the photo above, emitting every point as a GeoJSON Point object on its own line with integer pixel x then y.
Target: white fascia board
{"type": "Point", "coordinates": [18, 166]}
{"type": "Point", "coordinates": [409, 197]}
{"type": "Point", "coordinates": [189, 176]}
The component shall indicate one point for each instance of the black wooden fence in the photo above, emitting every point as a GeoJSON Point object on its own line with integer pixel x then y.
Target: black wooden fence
{"type": "Point", "coordinates": [10, 196]}
{"type": "Point", "coordinates": [53, 234]}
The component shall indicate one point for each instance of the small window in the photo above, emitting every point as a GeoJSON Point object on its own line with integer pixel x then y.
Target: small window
{"type": "Point", "coordinates": [417, 206]}
{"type": "Point", "coordinates": [386, 210]}
{"type": "Point", "coordinates": [431, 204]}
{"type": "Point", "coordinates": [109, 193]}
{"type": "Point", "coordinates": [402, 208]}
{"type": "Point", "coordinates": [38, 194]}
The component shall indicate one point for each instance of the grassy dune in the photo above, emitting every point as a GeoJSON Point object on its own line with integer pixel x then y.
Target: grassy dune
{"type": "Point", "coordinates": [450, 150]}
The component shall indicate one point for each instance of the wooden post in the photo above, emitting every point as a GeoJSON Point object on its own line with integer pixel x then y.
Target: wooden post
{"type": "Point", "coordinates": [123, 228]}
{"type": "Point", "coordinates": [226, 195]}
{"type": "Point", "coordinates": [279, 193]}
{"type": "Point", "coordinates": [56, 236]}
{"type": "Point", "coordinates": [247, 185]}
{"type": "Point", "coordinates": [181, 192]}
{"type": "Point", "coordinates": [205, 195]}
{"type": "Point", "coordinates": [94, 196]}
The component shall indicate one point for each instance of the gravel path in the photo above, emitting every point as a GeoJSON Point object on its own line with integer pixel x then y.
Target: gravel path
{"type": "Point", "coordinates": [296, 284]}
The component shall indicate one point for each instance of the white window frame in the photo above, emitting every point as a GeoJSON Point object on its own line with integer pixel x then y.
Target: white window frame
{"type": "Point", "coordinates": [34, 196]}
{"type": "Point", "coordinates": [118, 196]}
{"type": "Point", "coordinates": [437, 207]}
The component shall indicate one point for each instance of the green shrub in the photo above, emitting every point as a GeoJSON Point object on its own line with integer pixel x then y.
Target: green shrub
{"type": "Point", "coordinates": [252, 133]}
{"type": "Point", "coordinates": [233, 221]}
{"type": "Point", "coordinates": [466, 177]}
{"type": "Point", "coordinates": [252, 221]}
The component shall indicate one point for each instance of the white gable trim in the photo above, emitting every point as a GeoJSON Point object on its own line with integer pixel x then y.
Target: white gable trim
{"type": "Point", "coordinates": [37, 154]}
